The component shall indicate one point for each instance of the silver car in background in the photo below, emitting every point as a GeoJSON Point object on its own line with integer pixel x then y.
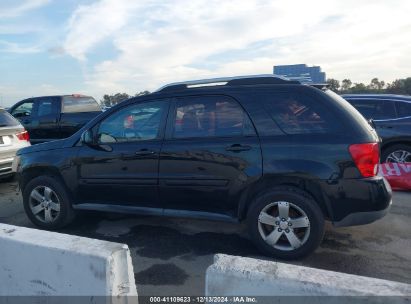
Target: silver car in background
{"type": "Point", "coordinates": [13, 137]}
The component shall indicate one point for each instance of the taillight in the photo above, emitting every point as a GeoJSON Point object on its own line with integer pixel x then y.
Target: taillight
{"type": "Point", "coordinates": [366, 158]}
{"type": "Point", "coordinates": [23, 136]}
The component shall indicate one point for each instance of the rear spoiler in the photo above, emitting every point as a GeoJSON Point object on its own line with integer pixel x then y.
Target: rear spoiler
{"type": "Point", "coordinates": [320, 86]}
{"type": "Point", "coordinates": [372, 123]}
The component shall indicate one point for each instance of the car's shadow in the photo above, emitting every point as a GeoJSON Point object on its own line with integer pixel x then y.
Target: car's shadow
{"type": "Point", "coordinates": [167, 240]}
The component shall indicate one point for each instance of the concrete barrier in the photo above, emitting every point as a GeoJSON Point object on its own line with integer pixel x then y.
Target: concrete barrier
{"type": "Point", "coordinates": [42, 263]}
{"type": "Point", "coordinates": [238, 276]}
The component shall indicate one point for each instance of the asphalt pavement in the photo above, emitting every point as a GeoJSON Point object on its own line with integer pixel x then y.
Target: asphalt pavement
{"type": "Point", "coordinates": [170, 256]}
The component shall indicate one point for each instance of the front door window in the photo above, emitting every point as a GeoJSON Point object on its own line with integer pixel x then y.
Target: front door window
{"type": "Point", "coordinates": [133, 123]}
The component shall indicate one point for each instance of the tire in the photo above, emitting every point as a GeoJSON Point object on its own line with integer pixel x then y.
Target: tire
{"type": "Point", "coordinates": [397, 150]}
{"type": "Point", "coordinates": [301, 206]}
{"type": "Point", "coordinates": [60, 216]}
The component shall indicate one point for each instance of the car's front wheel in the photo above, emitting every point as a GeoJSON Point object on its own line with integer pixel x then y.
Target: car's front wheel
{"type": "Point", "coordinates": [286, 223]}
{"type": "Point", "coordinates": [47, 203]}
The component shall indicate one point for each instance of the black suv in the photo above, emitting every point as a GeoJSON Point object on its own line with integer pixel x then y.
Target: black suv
{"type": "Point", "coordinates": [278, 154]}
{"type": "Point", "coordinates": [392, 118]}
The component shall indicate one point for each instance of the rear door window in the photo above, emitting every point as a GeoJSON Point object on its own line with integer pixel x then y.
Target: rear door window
{"type": "Point", "coordinates": [74, 104]}
{"type": "Point", "coordinates": [210, 116]}
{"type": "Point", "coordinates": [404, 109]}
{"type": "Point", "coordinates": [375, 109]}
{"type": "Point", "coordinates": [298, 114]}
{"type": "Point", "coordinates": [47, 106]}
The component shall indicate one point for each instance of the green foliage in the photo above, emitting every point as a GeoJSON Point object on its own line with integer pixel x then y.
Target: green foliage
{"type": "Point", "coordinates": [359, 88]}
{"type": "Point", "coordinates": [333, 84]}
{"type": "Point", "coordinates": [111, 100]}
{"type": "Point", "coordinates": [376, 86]}
{"type": "Point", "coordinates": [346, 85]}
{"type": "Point", "coordinates": [400, 86]}
{"type": "Point", "coordinates": [142, 93]}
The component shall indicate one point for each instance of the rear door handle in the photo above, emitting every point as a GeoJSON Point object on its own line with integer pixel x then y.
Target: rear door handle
{"type": "Point", "coordinates": [144, 152]}
{"type": "Point", "coordinates": [238, 148]}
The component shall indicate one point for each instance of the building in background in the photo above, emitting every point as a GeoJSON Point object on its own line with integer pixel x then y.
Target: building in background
{"type": "Point", "coordinates": [301, 72]}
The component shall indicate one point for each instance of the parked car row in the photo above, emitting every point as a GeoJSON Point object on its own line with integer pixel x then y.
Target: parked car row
{"type": "Point", "coordinates": [279, 155]}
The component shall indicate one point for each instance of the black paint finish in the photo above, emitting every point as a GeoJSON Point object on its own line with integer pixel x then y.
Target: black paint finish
{"type": "Point", "coordinates": [215, 175]}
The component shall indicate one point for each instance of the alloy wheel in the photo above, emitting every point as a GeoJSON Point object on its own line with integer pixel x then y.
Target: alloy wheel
{"type": "Point", "coordinates": [44, 204]}
{"type": "Point", "coordinates": [399, 156]}
{"type": "Point", "coordinates": [284, 226]}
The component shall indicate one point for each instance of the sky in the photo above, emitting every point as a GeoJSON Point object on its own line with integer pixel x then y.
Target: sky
{"type": "Point", "coordinates": [97, 47]}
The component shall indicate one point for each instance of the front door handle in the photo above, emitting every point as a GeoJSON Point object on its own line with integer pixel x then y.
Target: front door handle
{"type": "Point", "coordinates": [238, 148]}
{"type": "Point", "coordinates": [144, 152]}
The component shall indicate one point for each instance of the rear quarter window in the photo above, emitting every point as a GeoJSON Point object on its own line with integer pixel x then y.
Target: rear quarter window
{"type": "Point", "coordinates": [404, 109]}
{"type": "Point", "coordinates": [72, 104]}
{"type": "Point", "coordinates": [6, 120]}
{"type": "Point", "coordinates": [295, 113]}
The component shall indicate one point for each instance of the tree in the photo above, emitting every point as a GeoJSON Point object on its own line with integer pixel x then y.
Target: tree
{"type": "Point", "coordinates": [142, 93]}
{"type": "Point", "coordinates": [111, 100]}
{"type": "Point", "coordinates": [346, 85]}
{"type": "Point", "coordinates": [359, 88]}
{"type": "Point", "coordinates": [400, 86]}
{"type": "Point", "coordinates": [376, 85]}
{"type": "Point", "coordinates": [407, 86]}
{"type": "Point", "coordinates": [333, 84]}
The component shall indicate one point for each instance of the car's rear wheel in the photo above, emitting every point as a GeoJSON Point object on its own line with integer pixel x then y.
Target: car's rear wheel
{"type": "Point", "coordinates": [47, 203]}
{"type": "Point", "coordinates": [286, 223]}
{"type": "Point", "coordinates": [397, 154]}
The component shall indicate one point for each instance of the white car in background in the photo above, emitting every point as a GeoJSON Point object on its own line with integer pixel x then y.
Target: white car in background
{"type": "Point", "coordinates": [13, 137]}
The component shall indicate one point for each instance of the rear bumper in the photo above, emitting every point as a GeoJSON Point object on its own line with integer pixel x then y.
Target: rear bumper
{"type": "Point", "coordinates": [6, 166]}
{"type": "Point", "coordinates": [362, 218]}
{"type": "Point", "coordinates": [357, 201]}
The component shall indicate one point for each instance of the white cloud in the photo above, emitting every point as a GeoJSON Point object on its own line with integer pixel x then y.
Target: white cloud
{"type": "Point", "coordinates": [163, 41]}
{"type": "Point", "coordinates": [22, 7]}
{"type": "Point", "coordinates": [89, 24]}
{"type": "Point", "coordinates": [16, 29]}
{"type": "Point", "coordinates": [11, 47]}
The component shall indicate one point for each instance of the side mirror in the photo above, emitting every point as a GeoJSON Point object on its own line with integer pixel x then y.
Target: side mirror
{"type": "Point", "coordinates": [87, 137]}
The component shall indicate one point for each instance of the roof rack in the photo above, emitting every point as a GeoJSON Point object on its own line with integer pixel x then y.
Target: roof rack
{"type": "Point", "coordinates": [228, 81]}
